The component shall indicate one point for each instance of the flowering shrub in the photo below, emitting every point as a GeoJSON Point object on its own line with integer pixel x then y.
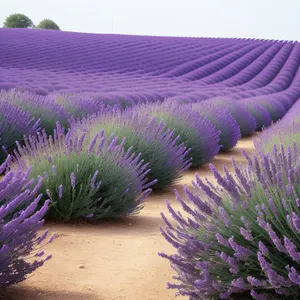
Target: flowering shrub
{"type": "Point", "coordinates": [196, 132]}
{"type": "Point", "coordinates": [242, 116]}
{"type": "Point", "coordinates": [20, 220]}
{"type": "Point", "coordinates": [285, 134]}
{"type": "Point", "coordinates": [97, 181]}
{"type": "Point", "coordinates": [260, 113]}
{"type": "Point", "coordinates": [38, 107]}
{"type": "Point", "coordinates": [239, 239]}
{"type": "Point", "coordinates": [274, 107]}
{"type": "Point", "coordinates": [14, 123]}
{"type": "Point", "coordinates": [76, 104]}
{"type": "Point", "coordinates": [157, 144]}
{"type": "Point", "coordinates": [223, 121]}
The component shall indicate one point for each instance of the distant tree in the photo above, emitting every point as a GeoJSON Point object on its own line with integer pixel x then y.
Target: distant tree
{"type": "Point", "coordinates": [48, 24]}
{"type": "Point", "coordinates": [17, 21]}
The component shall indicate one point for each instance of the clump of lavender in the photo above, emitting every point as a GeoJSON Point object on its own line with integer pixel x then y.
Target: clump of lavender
{"type": "Point", "coordinates": [282, 133]}
{"type": "Point", "coordinates": [273, 106]}
{"type": "Point", "coordinates": [239, 238]}
{"type": "Point", "coordinates": [85, 179]}
{"type": "Point", "coordinates": [195, 131]}
{"type": "Point", "coordinates": [260, 113]}
{"type": "Point", "coordinates": [77, 105]}
{"type": "Point", "coordinates": [14, 124]}
{"type": "Point", "coordinates": [157, 144]}
{"type": "Point", "coordinates": [223, 121]}
{"type": "Point", "coordinates": [20, 219]}
{"type": "Point", "coordinates": [242, 116]}
{"type": "Point", "coordinates": [39, 107]}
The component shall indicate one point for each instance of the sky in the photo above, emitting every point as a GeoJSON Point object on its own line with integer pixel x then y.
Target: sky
{"type": "Point", "coordinates": [266, 19]}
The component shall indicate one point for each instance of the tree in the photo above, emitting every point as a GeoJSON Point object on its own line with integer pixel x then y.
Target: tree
{"type": "Point", "coordinates": [48, 24]}
{"type": "Point", "coordinates": [17, 21]}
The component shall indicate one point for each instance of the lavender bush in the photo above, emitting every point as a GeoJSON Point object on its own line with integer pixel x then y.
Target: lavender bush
{"type": "Point", "coordinates": [285, 134]}
{"type": "Point", "coordinates": [97, 181]}
{"type": "Point", "coordinates": [260, 113]}
{"type": "Point", "coordinates": [20, 219]}
{"type": "Point", "coordinates": [157, 144]}
{"type": "Point", "coordinates": [223, 121]}
{"type": "Point", "coordinates": [274, 107]}
{"type": "Point", "coordinates": [14, 123]}
{"type": "Point", "coordinates": [39, 107]}
{"type": "Point", "coordinates": [245, 119]}
{"type": "Point", "coordinates": [196, 132]}
{"type": "Point", "coordinates": [77, 105]}
{"type": "Point", "coordinates": [239, 238]}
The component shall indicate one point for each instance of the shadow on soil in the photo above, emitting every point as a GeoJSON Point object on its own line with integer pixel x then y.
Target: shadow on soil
{"type": "Point", "coordinates": [139, 224]}
{"type": "Point", "coordinates": [27, 293]}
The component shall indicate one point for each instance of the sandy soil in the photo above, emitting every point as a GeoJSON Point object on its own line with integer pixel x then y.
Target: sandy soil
{"type": "Point", "coordinates": [112, 260]}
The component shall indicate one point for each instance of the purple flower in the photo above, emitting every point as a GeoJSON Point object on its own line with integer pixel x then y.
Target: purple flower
{"type": "Point", "coordinates": [241, 252]}
{"type": "Point", "coordinates": [291, 249]}
{"type": "Point", "coordinates": [53, 170]}
{"type": "Point", "coordinates": [296, 221]}
{"type": "Point", "coordinates": [263, 249]}
{"type": "Point", "coordinates": [60, 191]}
{"type": "Point", "coordinates": [73, 180]}
{"type": "Point", "coordinates": [246, 234]}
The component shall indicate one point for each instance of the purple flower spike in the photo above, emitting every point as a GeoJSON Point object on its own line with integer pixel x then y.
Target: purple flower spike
{"type": "Point", "coordinates": [73, 180]}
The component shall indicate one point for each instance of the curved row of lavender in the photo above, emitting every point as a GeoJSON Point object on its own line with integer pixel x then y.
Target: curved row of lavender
{"type": "Point", "coordinates": [285, 133]}
{"type": "Point", "coordinates": [127, 69]}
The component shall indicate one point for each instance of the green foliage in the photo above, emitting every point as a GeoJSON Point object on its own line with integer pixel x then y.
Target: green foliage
{"type": "Point", "coordinates": [48, 24]}
{"type": "Point", "coordinates": [154, 141]}
{"type": "Point", "coordinates": [17, 21]}
{"type": "Point", "coordinates": [98, 181]}
{"type": "Point", "coordinates": [108, 199]}
{"type": "Point", "coordinates": [285, 135]}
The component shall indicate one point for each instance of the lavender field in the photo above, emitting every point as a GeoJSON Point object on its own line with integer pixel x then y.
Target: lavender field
{"type": "Point", "coordinates": [99, 128]}
{"type": "Point", "coordinates": [116, 68]}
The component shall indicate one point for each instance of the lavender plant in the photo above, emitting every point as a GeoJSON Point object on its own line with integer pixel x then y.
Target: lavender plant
{"type": "Point", "coordinates": [239, 238]}
{"type": "Point", "coordinates": [223, 121]}
{"type": "Point", "coordinates": [77, 105]}
{"type": "Point", "coordinates": [14, 123]}
{"type": "Point", "coordinates": [245, 119]}
{"type": "Point", "coordinates": [156, 143]}
{"type": "Point", "coordinates": [260, 113]}
{"type": "Point", "coordinates": [274, 107]}
{"type": "Point", "coordinates": [285, 134]}
{"type": "Point", "coordinates": [39, 107]}
{"type": "Point", "coordinates": [196, 132]}
{"type": "Point", "coordinates": [98, 181]}
{"type": "Point", "coordinates": [20, 220]}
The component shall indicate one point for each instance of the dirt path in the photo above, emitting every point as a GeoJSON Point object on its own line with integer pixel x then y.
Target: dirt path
{"type": "Point", "coordinates": [112, 260]}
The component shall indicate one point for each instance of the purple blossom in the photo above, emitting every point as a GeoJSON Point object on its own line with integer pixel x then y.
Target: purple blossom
{"type": "Point", "coordinates": [241, 252]}
{"type": "Point", "coordinates": [296, 221]}
{"type": "Point", "coordinates": [60, 191]}
{"type": "Point", "coordinates": [73, 180]}
{"type": "Point", "coordinates": [263, 249]}
{"type": "Point", "coordinates": [246, 234]}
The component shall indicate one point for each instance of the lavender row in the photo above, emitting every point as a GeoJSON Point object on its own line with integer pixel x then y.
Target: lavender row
{"type": "Point", "coordinates": [130, 69]}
